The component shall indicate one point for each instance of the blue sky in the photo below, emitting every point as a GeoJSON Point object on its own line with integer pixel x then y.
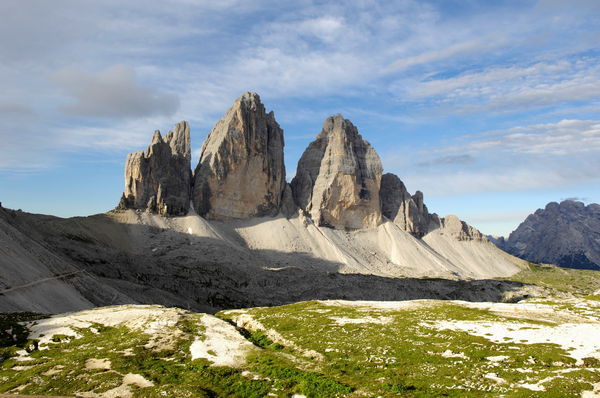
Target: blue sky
{"type": "Point", "coordinates": [491, 108]}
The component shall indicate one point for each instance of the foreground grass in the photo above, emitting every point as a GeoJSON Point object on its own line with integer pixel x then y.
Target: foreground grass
{"type": "Point", "coordinates": [398, 353]}
{"type": "Point", "coordinates": [321, 349]}
{"type": "Point", "coordinates": [560, 280]}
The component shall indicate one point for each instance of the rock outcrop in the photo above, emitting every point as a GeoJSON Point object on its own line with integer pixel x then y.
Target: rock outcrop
{"type": "Point", "coordinates": [241, 173]}
{"type": "Point", "coordinates": [565, 234]}
{"type": "Point", "coordinates": [460, 230]}
{"type": "Point", "coordinates": [338, 178]}
{"type": "Point", "coordinates": [406, 210]}
{"type": "Point", "coordinates": [159, 178]}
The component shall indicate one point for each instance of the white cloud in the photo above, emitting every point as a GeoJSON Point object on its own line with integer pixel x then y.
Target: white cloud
{"type": "Point", "coordinates": [509, 89]}
{"type": "Point", "coordinates": [541, 156]}
{"type": "Point", "coordinates": [461, 48]}
{"type": "Point", "coordinates": [566, 137]}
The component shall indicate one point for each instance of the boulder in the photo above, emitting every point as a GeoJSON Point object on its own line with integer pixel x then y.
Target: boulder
{"type": "Point", "coordinates": [241, 173]}
{"type": "Point", "coordinates": [159, 178]}
{"type": "Point", "coordinates": [338, 178]}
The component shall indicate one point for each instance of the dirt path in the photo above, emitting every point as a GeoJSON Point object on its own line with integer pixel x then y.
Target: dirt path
{"type": "Point", "coordinates": [40, 281]}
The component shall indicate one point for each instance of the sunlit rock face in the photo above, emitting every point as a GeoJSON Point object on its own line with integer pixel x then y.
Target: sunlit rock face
{"type": "Point", "coordinates": [460, 230]}
{"type": "Point", "coordinates": [338, 178]}
{"type": "Point", "coordinates": [159, 178]}
{"type": "Point", "coordinates": [241, 173]}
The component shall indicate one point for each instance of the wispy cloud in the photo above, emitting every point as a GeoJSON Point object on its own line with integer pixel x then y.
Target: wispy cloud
{"type": "Point", "coordinates": [510, 89]}
{"type": "Point", "coordinates": [566, 137]}
{"type": "Point", "coordinates": [542, 156]}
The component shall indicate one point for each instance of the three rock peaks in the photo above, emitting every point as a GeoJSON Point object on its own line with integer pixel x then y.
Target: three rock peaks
{"type": "Point", "coordinates": [241, 174]}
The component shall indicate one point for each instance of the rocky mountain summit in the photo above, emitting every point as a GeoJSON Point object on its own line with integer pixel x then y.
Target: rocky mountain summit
{"type": "Point", "coordinates": [158, 179]}
{"type": "Point", "coordinates": [565, 234]}
{"type": "Point", "coordinates": [241, 173]}
{"type": "Point", "coordinates": [338, 178]}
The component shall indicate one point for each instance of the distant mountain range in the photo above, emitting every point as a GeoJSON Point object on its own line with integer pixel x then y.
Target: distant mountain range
{"type": "Point", "coordinates": [566, 234]}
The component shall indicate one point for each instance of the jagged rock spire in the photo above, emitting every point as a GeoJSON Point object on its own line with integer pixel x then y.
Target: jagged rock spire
{"type": "Point", "coordinates": [241, 173]}
{"type": "Point", "coordinates": [159, 178]}
{"type": "Point", "coordinates": [338, 177]}
{"type": "Point", "coordinates": [406, 210]}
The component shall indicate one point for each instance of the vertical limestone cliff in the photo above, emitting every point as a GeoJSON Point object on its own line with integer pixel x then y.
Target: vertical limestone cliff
{"type": "Point", "coordinates": [338, 177]}
{"type": "Point", "coordinates": [241, 173]}
{"type": "Point", "coordinates": [159, 178]}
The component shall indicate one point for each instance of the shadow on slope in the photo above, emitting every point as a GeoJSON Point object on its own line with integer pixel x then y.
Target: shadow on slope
{"type": "Point", "coordinates": [144, 264]}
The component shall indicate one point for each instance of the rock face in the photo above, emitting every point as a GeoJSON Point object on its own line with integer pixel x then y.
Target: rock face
{"type": "Point", "coordinates": [565, 234]}
{"type": "Point", "coordinates": [338, 178]}
{"type": "Point", "coordinates": [460, 230]}
{"type": "Point", "coordinates": [159, 178]}
{"type": "Point", "coordinates": [241, 173]}
{"type": "Point", "coordinates": [408, 212]}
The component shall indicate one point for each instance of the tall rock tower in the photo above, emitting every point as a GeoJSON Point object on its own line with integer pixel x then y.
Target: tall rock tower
{"type": "Point", "coordinates": [241, 173]}
{"type": "Point", "coordinates": [338, 178]}
{"type": "Point", "coordinates": [159, 178]}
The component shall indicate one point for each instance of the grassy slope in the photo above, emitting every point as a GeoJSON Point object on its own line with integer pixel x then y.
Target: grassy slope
{"type": "Point", "coordinates": [396, 353]}
{"type": "Point", "coordinates": [560, 280]}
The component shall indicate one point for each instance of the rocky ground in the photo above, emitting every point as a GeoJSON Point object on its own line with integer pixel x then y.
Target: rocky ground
{"type": "Point", "coordinates": [51, 265]}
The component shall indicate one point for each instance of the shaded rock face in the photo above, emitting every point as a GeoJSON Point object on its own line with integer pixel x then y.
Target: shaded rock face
{"type": "Point", "coordinates": [460, 230]}
{"type": "Point", "coordinates": [241, 173]}
{"type": "Point", "coordinates": [338, 178]}
{"type": "Point", "coordinates": [565, 234]}
{"type": "Point", "coordinates": [159, 178]}
{"type": "Point", "coordinates": [407, 211]}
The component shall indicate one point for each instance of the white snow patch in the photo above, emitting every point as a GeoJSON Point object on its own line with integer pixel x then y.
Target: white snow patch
{"type": "Point", "coordinates": [222, 344]}
{"type": "Point", "coordinates": [581, 337]}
